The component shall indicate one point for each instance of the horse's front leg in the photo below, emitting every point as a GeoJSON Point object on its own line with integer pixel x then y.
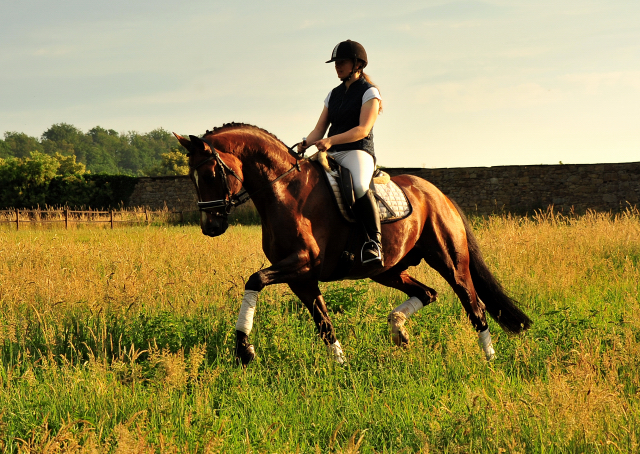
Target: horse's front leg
{"type": "Point", "coordinates": [290, 269]}
{"type": "Point", "coordinates": [309, 294]}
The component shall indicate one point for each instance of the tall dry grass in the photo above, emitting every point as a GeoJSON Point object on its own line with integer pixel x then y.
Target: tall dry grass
{"type": "Point", "coordinates": [122, 341]}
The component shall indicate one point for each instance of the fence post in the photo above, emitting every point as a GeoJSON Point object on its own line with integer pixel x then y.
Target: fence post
{"type": "Point", "coordinates": [66, 218]}
{"type": "Point", "coordinates": [181, 217]}
{"type": "Point", "coordinates": [146, 215]}
{"type": "Point", "coordinates": [17, 219]}
{"type": "Point", "coordinates": [111, 212]}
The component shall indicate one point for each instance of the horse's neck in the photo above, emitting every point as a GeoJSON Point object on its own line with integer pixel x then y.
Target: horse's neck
{"type": "Point", "coordinates": [263, 160]}
{"type": "Point", "coordinates": [261, 168]}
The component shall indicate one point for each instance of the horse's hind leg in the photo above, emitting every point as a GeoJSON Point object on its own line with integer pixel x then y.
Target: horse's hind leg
{"type": "Point", "coordinates": [309, 294]}
{"type": "Point", "coordinates": [459, 278]}
{"type": "Point", "coordinates": [448, 254]}
{"type": "Point", "coordinates": [419, 296]}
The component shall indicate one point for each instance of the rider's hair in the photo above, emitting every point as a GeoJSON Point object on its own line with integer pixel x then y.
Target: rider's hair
{"type": "Point", "coordinates": [368, 79]}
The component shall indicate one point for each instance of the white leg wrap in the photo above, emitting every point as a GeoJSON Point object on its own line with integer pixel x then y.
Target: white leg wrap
{"type": "Point", "coordinates": [399, 316]}
{"type": "Point", "coordinates": [336, 350]}
{"type": "Point", "coordinates": [247, 310]}
{"type": "Point", "coordinates": [410, 307]}
{"type": "Point", "coordinates": [484, 340]}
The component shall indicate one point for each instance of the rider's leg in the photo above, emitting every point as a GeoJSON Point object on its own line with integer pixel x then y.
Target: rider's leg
{"type": "Point", "coordinates": [366, 210]}
{"type": "Point", "coordinates": [361, 165]}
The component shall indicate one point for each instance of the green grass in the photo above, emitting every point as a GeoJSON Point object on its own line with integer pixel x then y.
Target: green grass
{"type": "Point", "coordinates": [122, 341]}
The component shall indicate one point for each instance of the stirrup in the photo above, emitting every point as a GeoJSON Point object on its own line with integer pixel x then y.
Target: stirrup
{"type": "Point", "coordinates": [376, 246]}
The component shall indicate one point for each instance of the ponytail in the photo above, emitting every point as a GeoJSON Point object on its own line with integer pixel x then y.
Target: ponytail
{"type": "Point", "coordinates": [368, 79]}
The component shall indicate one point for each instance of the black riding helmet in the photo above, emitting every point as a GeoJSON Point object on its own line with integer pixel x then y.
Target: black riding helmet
{"type": "Point", "coordinates": [349, 50]}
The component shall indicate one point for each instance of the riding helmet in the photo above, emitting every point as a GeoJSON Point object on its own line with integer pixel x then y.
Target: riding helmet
{"type": "Point", "coordinates": [349, 50]}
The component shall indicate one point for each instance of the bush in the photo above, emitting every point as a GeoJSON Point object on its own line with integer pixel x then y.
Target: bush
{"type": "Point", "coordinates": [24, 181]}
{"type": "Point", "coordinates": [96, 191]}
{"type": "Point", "coordinates": [43, 180]}
{"type": "Point", "coordinates": [175, 162]}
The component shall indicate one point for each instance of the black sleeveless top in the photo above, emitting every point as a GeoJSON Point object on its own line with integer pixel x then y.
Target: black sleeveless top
{"type": "Point", "coordinates": [344, 114]}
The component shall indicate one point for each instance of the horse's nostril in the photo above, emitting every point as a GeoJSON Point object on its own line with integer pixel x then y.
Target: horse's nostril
{"type": "Point", "coordinates": [214, 226]}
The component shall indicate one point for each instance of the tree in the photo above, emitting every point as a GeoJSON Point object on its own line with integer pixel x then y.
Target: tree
{"type": "Point", "coordinates": [62, 132]}
{"type": "Point", "coordinates": [23, 182]}
{"type": "Point", "coordinates": [67, 140]}
{"type": "Point", "coordinates": [146, 150]}
{"type": "Point", "coordinates": [27, 182]}
{"type": "Point", "coordinates": [173, 163]}
{"type": "Point", "coordinates": [20, 144]}
{"type": "Point", "coordinates": [69, 166]}
{"type": "Point", "coordinates": [106, 146]}
{"type": "Point", "coordinates": [102, 151]}
{"type": "Point", "coordinates": [5, 151]}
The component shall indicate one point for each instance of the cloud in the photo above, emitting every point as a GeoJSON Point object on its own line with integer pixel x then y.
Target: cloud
{"type": "Point", "coordinates": [594, 83]}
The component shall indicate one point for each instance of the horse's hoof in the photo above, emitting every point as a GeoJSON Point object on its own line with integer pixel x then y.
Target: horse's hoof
{"type": "Point", "coordinates": [335, 350]}
{"type": "Point", "coordinates": [489, 353]}
{"type": "Point", "coordinates": [484, 340]}
{"type": "Point", "coordinates": [399, 334]}
{"type": "Point", "coordinates": [400, 337]}
{"type": "Point", "coordinates": [245, 356]}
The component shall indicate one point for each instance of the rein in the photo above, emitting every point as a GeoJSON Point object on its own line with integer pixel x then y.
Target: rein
{"type": "Point", "coordinates": [233, 200]}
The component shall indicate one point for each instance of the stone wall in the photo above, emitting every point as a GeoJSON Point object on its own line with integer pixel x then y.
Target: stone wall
{"type": "Point", "coordinates": [479, 190]}
{"type": "Point", "coordinates": [523, 189]}
{"type": "Point", "coordinates": [175, 193]}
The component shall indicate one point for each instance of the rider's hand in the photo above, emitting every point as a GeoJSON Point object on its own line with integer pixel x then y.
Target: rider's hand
{"type": "Point", "coordinates": [302, 146]}
{"type": "Point", "coordinates": [323, 144]}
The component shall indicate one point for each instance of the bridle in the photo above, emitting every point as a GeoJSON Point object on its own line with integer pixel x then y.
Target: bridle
{"type": "Point", "coordinates": [230, 200]}
{"type": "Point", "coordinates": [233, 200]}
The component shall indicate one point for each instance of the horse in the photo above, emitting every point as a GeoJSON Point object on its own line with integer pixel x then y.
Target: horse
{"type": "Point", "coordinates": [304, 236]}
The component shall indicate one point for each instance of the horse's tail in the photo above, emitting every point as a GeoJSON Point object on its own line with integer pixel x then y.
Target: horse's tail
{"type": "Point", "coordinates": [500, 306]}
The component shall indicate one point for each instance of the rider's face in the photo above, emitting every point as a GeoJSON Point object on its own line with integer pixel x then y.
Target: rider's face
{"type": "Point", "coordinates": [343, 68]}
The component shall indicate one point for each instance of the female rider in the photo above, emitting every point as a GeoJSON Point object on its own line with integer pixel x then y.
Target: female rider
{"type": "Point", "coordinates": [350, 111]}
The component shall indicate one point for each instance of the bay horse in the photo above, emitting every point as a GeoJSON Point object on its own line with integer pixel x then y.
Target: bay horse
{"type": "Point", "coordinates": [304, 235]}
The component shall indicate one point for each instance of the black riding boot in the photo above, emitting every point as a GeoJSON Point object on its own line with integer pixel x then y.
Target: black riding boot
{"type": "Point", "coordinates": [366, 211]}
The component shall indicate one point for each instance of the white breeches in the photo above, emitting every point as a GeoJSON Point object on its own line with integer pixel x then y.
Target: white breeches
{"type": "Point", "coordinates": [360, 164]}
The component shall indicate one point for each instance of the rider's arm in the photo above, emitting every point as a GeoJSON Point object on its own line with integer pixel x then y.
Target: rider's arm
{"type": "Point", "coordinates": [319, 131]}
{"type": "Point", "coordinates": [368, 116]}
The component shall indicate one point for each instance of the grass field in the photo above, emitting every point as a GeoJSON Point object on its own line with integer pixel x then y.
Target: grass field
{"type": "Point", "coordinates": [121, 341]}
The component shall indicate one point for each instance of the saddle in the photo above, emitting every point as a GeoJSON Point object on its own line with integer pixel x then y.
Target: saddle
{"type": "Point", "coordinates": [393, 204]}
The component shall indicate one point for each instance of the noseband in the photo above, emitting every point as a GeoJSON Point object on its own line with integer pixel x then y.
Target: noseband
{"type": "Point", "coordinates": [233, 200]}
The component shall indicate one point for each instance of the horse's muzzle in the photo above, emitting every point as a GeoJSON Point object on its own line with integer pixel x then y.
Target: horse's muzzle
{"type": "Point", "coordinates": [214, 225]}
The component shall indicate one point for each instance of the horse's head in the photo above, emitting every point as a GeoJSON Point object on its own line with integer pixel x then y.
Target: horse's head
{"type": "Point", "coordinates": [217, 177]}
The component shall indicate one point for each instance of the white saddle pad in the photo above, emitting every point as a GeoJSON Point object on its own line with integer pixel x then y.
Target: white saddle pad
{"type": "Point", "coordinates": [390, 192]}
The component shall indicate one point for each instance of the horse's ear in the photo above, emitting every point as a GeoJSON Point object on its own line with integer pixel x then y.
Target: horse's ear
{"type": "Point", "coordinates": [200, 145]}
{"type": "Point", "coordinates": [184, 142]}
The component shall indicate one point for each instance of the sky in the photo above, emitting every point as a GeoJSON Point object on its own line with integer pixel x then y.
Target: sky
{"type": "Point", "coordinates": [464, 83]}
